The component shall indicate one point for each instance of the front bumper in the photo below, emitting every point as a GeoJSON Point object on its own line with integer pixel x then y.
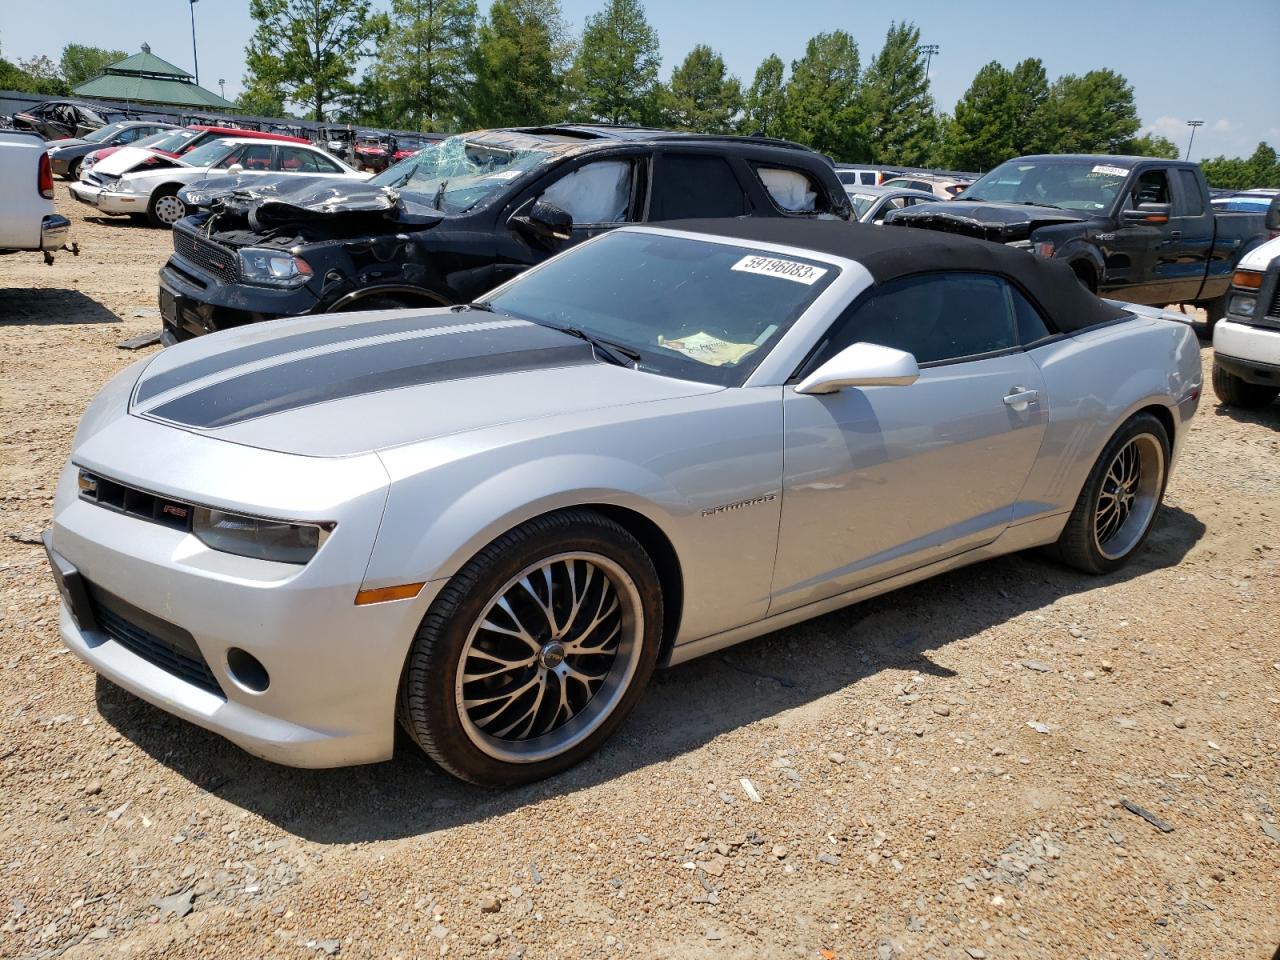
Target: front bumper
{"type": "Point", "coordinates": [106, 201]}
{"type": "Point", "coordinates": [1247, 351]}
{"type": "Point", "coordinates": [193, 303]}
{"type": "Point", "coordinates": [333, 667]}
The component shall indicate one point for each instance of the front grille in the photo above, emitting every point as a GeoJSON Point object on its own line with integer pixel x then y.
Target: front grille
{"type": "Point", "coordinates": [1274, 309]}
{"type": "Point", "coordinates": [166, 646]}
{"type": "Point", "coordinates": [132, 502]}
{"type": "Point", "coordinates": [213, 257]}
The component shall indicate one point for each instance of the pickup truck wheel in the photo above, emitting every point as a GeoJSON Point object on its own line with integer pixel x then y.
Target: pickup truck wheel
{"type": "Point", "coordinates": [535, 651]}
{"type": "Point", "coordinates": [1235, 392]}
{"type": "Point", "coordinates": [165, 209]}
{"type": "Point", "coordinates": [1120, 499]}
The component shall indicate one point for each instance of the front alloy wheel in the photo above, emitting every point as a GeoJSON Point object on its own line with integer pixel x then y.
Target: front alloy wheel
{"type": "Point", "coordinates": [535, 651]}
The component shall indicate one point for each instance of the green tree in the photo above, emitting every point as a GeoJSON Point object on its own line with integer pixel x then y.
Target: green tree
{"type": "Point", "coordinates": [984, 129]}
{"type": "Point", "coordinates": [820, 105]}
{"type": "Point", "coordinates": [80, 63]}
{"type": "Point", "coordinates": [1029, 91]}
{"type": "Point", "coordinates": [762, 106]}
{"type": "Point", "coordinates": [617, 64]}
{"type": "Point", "coordinates": [424, 61]}
{"type": "Point", "coordinates": [703, 96]}
{"type": "Point", "coordinates": [308, 49]}
{"type": "Point", "coordinates": [897, 110]}
{"type": "Point", "coordinates": [1230, 173]}
{"type": "Point", "coordinates": [1263, 170]}
{"type": "Point", "coordinates": [520, 65]}
{"type": "Point", "coordinates": [1150, 145]}
{"type": "Point", "coordinates": [1093, 113]}
{"type": "Point", "coordinates": [261, 100]}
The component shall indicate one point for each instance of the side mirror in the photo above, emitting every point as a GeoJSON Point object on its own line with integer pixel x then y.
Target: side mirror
{"type": "Point", "coordinates": [862, 365]}
{"type": "Point", "coordinates": [1147, 213]}
{"type": "Point", "coordinates": [235, 169]}
{"type": "Point", "coordinates": [1273, 215]}
{"type": "Point", "coordinates": [545, 220]}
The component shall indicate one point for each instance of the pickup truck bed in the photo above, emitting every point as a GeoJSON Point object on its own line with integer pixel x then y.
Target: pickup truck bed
{"type": "Point", "coordinates": [1133, 228]}
{"type": "Point", "coordinates": [27, 220]}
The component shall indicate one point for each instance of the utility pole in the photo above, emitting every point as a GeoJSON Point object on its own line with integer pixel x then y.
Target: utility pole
{"type": "Point", "coordinates": [195, 59]}
{"type": "Point", "coordinates": [928, 49]}
{"type": "Point", "coordinates": [1193, 124]}
{"type": "Point", "coordinates": [222, 89]}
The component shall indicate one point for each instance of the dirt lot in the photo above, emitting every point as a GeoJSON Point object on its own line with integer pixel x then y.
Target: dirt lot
{"type": "Point", "coordinates": [909, 808]}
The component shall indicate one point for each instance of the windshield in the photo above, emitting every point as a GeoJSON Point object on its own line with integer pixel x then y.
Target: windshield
{"type": "Point", "coordinates": [1068, 184]}
{"type": "Point", "coordinates": [861, 203]}
{"type": "Point", "coordinates": [170, 141]}
{"type": "Point", "coordinates": [103, 134]}
{"type": "Point", "coordinates": [695, 309]}
{"type": "Point", "coordinates": [456, 174]}
{"type": "Point", "coordinates": [209, 154]}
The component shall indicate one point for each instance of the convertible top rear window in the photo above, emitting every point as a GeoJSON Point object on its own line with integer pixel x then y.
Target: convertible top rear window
{"type": "Point", "coordinates": [695, 309]}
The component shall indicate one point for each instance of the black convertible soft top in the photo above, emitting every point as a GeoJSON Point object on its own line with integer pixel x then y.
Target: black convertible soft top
{"type": "Point", "coordinates": [888, 253]}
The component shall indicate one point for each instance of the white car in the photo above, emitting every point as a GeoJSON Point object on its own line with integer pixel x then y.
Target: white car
{"type": "Point", "coordinates": [114, 187]}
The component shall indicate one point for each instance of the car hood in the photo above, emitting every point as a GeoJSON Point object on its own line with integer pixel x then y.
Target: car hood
{"type": "Point", "coordinates": [346, 384]}
{"type": "Point", "coordinates": [1001, 222]}
{"type": "Point", "coordinates": [126, 158]}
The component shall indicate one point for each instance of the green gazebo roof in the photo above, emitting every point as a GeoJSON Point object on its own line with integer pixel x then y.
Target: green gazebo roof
{"type": "Point", "coordinates": [145, 78]}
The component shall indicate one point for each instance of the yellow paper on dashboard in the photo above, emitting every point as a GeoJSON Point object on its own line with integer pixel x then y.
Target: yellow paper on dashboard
{"type": "Point", "coordinates": [708, 349]}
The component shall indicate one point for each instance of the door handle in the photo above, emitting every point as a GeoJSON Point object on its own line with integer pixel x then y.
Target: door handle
{"type": "Point", "coordinates": [1175, 234]}
{"type": "Point", "coordinates": [1019, 398]}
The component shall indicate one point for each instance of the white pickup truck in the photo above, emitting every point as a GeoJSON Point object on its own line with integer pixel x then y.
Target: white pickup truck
{"type": "Point", "coordinates": [1246, 341]}
{"type": "Point", "coordinates": [27, 220]}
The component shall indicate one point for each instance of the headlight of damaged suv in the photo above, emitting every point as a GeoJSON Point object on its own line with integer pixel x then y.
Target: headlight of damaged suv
{"type": "Point", "coordinates": [276, 268]}
{"type": "Point", "coordinates": [258, 538]}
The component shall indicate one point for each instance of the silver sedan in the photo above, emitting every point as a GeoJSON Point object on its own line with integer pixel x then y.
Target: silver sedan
{"type": "Point", "coordinates": [872, 204]}
{"type": "Point", "coordinates": [492, 523]}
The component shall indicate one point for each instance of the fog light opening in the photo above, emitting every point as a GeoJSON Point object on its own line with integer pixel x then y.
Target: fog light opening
{"type": "Point", "coordinates": [247, 670]}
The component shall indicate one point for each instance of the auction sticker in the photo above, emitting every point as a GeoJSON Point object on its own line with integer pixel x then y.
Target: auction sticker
{"type": "Point", "coordinates": [777, 267]}
{"type": "Point", "coordinates": [1110, 170]}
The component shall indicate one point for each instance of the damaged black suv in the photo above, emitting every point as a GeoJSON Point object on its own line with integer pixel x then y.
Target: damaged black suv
{"type": "Point", "coordinates": [459, 217]}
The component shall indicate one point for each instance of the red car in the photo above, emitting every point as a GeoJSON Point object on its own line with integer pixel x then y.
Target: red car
{"type": "Point", "coordinates": [187, 139]}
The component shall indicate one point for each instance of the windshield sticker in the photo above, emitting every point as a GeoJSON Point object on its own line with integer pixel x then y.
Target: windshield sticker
{"type": "Point", "coordinates": [786, 269]}
{"type": "Point", "coordinates": [1110, 170]}
{"type": "Point", "coordinates": [709, 349]}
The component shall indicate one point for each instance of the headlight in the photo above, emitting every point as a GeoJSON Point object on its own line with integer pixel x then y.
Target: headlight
{"type": "Point", "coordinates": [277, 268]}
{"type": "Point", "coordinates": [255, 537]}
{"type": "Point", "coordinates": [1242, 305]}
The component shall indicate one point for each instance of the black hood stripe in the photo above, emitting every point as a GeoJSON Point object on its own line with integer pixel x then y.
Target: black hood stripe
{"type": "Point", "coordinates": [226, 360]}
{"type": "Point", "coordinates": [370, 369]}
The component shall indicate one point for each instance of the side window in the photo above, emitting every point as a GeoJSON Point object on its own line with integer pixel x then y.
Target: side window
{"type": "Point", "coordinates": [234, 157]}
{"type": "Point", "coordinates": [1150, 187]}
{"type": "Point", "coordinates": [256, 156]}
{"type": "Point", "coordinates": [130, 135]}
{"type": "Point", "coordinates": [935, 317]}
{"type": "Point", "coordinates": [792, 190]}
{"type": "Point", "coordinates": [1031, 326]}
{"type": "Point", "coordinates": [299, 160]}
{"type": "Point", "coordinates": [598, 192]}
{"type": "Point", "coordinates": [687, 186]}
{"type": "Point", "coordinates": [1191, 200]}
{"type": "Point", "coordinates": [869, 177]}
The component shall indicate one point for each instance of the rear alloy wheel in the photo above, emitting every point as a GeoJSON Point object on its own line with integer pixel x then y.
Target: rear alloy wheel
{"type": "Point", "coordinates": [1115, 510]}
{"type": "Point", "coordinates": [1237, 392]}
{"type": "Point", "coordinates": [165, 209]}
{"type": "Point", "coordinates": [535, 651]}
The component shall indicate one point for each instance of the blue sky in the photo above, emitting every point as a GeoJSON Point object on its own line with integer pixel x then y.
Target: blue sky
{"type": "Point", "coordinates": [1183, 61]}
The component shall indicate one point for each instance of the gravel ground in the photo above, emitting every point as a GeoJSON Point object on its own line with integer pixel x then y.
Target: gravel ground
{"type": "Point", "coordinates": [943, 772]}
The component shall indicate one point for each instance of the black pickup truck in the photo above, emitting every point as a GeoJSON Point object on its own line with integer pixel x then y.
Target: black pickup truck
{"type": "Point", "coordinates": [459, 217]}
{"type": "Point", "coordinates": [1133, 228]}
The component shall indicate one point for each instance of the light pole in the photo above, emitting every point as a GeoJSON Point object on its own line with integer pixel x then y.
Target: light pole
{"type": "Point", "coordinates": [222, 89]}
{"type": "Point", "coordinates": [1192, 124]}
{"type": "Point", "coordinates": [194, 59]}
{"type": "Point", "coordinates": [928, 49]}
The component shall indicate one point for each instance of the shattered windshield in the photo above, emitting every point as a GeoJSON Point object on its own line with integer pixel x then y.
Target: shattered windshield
{"type": "Point", "coordinates": [457, 174]}
{"type": "Point", "coordinates": [1067, 184]}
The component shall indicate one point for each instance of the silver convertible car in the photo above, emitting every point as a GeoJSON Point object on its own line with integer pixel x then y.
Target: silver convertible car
{"type": "Point", "coordinates": [491, 522]}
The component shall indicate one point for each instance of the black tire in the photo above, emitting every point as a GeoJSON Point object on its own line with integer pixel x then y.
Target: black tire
{"type": "Point", "coordinates": [73, 169]}
{"type": "Point", "coordinates": [432, 704]}
{"type": "Point", "coordinates": [1214, 310]}
{"type": "Point", "coordinates": [162, 197]}
{"type": "Point", "coordinates": [1085, 274]}
{"type": "Point", "coordinates": [1082, 544]}
{"type": "Point", "coordinates": [1235, 392]}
